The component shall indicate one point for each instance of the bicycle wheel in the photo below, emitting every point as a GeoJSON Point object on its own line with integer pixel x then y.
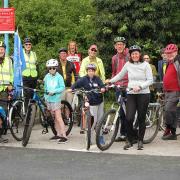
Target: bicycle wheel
{"type": "Point", "coordinates": [66, 112]}
{"type": "Point", "coordinates": [29, 122]}
{"type": "Point", "coordinates": [88, 130]}
{"type": "Point", "coordinates": [47, 120]}
{"type": "Point", "coordinates": [107, 129]}
{"type": "Point", "coordinates": [152, 124]}
{"type": "Point", "coordinates": [16, 120]}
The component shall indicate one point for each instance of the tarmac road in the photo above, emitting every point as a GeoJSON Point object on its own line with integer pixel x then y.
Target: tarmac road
{"type": "Point", "coordinates": [42, 164]}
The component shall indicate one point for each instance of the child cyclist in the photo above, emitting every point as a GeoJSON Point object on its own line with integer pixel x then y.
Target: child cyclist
{"type": "Point", "coordinates": [54, 86]}
{"type": "Point", "coordinates": [89, 82]}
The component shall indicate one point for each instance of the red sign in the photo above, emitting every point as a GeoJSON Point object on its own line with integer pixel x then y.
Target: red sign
{"type": "Point", "coordinates": [7, 20]}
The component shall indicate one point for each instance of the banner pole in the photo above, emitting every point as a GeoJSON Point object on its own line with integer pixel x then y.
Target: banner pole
{"type": "Point", "coordinates": [6, 35]}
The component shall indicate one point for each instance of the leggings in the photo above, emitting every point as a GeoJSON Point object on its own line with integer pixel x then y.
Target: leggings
{"type": "Point", "coordinates": [139, 103]}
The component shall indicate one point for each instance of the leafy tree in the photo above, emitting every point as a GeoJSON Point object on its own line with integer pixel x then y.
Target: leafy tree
{"type": "Point", "coordinates": [51, 24]}
{"type": "Point", "coordinates": [150, 23]}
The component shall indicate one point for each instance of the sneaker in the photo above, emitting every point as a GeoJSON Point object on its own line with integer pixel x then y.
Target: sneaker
{"type": "Point", "coordinates": [54, 138]}
{"type": "Point", "coordinates": [120, 138]}
{"type": "Point", "coordinates": [167, 132]}
{"type": "Point", "coordinates": [128, 145]}
{"type": "Point", "coordinates": [62, 140]}
{"type": "Point", "coordinates": [101, 140]}
{"type": "Point", "coordinates": [82, 131]}
{"type": "Point", "coordinates": [170, 137]}
{"type": "Point", "coordinates": [140, 145]}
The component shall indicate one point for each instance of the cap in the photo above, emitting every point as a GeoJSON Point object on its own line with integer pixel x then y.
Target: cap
{"type": "Point", "coordinates": [63, 49]}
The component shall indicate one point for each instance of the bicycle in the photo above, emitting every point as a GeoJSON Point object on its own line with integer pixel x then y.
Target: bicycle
{"type": "Point", "coordinates": [87, 124]}
{"type": "Point", "coordinates": [108, 126]}
{"type": "Point", "coordinates": [14, 117]}
{"type": "Point", "coordinates": [46, 117]}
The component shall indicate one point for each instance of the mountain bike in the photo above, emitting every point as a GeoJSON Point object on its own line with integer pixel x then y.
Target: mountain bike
{"type": "Point", "coordinates": [13, 118]}
{"type": "Point", "coordinates": [108, 126]}
{"type": "Point", "coordinates": [86, 119]}
{"type": "Point", "coordinates": [46, 117]}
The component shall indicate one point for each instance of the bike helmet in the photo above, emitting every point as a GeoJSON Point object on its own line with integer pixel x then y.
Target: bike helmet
{"type": "Point", "coordinates": [134, 48]}
{"type": "Point", "coordinates": [52, 63]}
{"type": "Point", "coordinates": [91, 66]}
{"type": "Point", "coordinates": [170, 48]}
{"type": "Point", "coordinates": [120, 39]}
{"type": "Point", "coordinates": [27, 40]}
{"type": "Point", "coordinates": [2, 44]}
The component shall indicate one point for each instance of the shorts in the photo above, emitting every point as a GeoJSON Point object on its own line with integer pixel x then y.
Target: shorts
{"type": "Point", "coordinates": [53, 106]}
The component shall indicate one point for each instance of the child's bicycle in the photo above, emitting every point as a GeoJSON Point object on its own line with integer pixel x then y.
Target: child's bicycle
{"type": "Point", "coordinates": [108, 126]}
{"type": "Point", "coordinates": [13, 119]}
{"type": "Point", "coordinates": [86, 119]}
{"type": "Point", "coordinates": [46, 117]}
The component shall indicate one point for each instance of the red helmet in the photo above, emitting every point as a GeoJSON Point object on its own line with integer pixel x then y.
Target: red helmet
{"type": "Point", "coordinates": [170, 48]}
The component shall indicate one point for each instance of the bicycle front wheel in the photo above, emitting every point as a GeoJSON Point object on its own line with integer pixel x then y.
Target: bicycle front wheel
{"type": "Point", "coordinates": [16, 120]}
{"type": "Point", "coordinates": [107, 129]}
{"type": "Point", "coordinates": [88, 130]}
{"type": "Point", "coordinates": [29, 122]}
{"type": "Point", "coordinates": [152, 124]}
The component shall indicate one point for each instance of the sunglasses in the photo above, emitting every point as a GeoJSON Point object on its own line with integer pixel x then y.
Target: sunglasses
{"type": "Point", "coordinates": [94, 50]}
{"type": "Point", "coordinates": [52, 68]}
{"type": "Point", "coordinates": [27, 44]}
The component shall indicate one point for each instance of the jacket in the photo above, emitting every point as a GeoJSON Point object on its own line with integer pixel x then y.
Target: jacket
{"type": "Point", "coordinates": [69, 70]}
{"type": "Point", "coordinates": [89, 84]}
{"type": "Point", "coordinates": [87, 61]}
{"type": "Point", "coordinates": [53, 84]}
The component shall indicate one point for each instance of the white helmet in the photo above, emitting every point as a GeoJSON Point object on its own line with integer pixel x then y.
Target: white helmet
{"type": "Point", "coordinates": [52, 63]}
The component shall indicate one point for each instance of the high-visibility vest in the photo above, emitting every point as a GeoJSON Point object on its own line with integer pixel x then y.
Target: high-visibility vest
{"type": "Point", "coordinates": [30, 64]}
{"type": "Point", "coordinates": [6, 73]}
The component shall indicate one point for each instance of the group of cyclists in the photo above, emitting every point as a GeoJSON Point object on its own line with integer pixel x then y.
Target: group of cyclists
{"type": "Point", "coordinates": [130, 68]}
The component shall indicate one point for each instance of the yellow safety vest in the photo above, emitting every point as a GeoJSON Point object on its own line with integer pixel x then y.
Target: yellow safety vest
{"type": "Point", "coordinates": [30, 64]}
{"type": "Point", "coordinates": [6, 73]}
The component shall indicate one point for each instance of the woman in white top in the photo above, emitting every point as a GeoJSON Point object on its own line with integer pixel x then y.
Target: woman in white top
{"type": "Point", "coordinates": [139, 79]}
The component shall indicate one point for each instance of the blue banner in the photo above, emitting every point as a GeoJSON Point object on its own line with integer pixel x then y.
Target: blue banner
{"type": "Point", "coordinates": [19, 63]}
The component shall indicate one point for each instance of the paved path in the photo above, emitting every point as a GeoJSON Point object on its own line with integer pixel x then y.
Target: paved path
{"type": "Point", "coordinates": [77, 143]}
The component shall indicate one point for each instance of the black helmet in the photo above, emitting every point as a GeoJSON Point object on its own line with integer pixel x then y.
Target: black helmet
{"type": "Point", "coordinates": [2, 44]}
{"type": "Point", "coordinates": [134, 48]}
{"type": "Point", "coordinates": [120, 39]}
{"type": "Point", "coordinates": [91, 66]}
{"type": "Point", "coordinates": [27, 40]}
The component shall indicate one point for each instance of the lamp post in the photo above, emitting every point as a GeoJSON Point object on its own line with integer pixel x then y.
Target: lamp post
{"type": "Point", "coordinates": [6, 35]}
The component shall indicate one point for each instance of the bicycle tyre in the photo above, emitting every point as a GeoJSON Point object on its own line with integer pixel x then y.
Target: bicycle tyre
{"type": "Point", "coordinates": [30, 118]}
{"type": "Point", "coordinates": [16, 120]}
{"type": "Point", "coordinates": [88, 130]}
{"type": "Point", "coordinates": [48, 122]}
{"type": "Point", "coordinates": [68, 121]}
{"type": "Point", "coordinates": [153, 126]}
{"type": "Point", "coordinates": [99, 127]}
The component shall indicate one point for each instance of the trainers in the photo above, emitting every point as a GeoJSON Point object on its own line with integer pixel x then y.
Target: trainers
{"type": "Point", "coordinates": [170, 137]}
{"type": "Point", "coordinates": [128, 145]}
{"type": "Point", "coordinates": [120, 138]}
{"type": "Point", "coordinates": [62, 140]}
{"type": "Point", "coordinates": [54, 138]}
{"type": "Point", "coordinates": [82, 131]}
{"type": "Point", "coordinates": [167, 132]}
{"type": "Point", "coordinates": [140, 145]}
{"type": "Point", "coordinates": [101, 140]}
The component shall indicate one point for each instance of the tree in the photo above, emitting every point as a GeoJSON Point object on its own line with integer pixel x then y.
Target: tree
{"type": "Point", "coordinates": [51, 24]}
{"type": "Point", "coordinates": [150, 23]}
